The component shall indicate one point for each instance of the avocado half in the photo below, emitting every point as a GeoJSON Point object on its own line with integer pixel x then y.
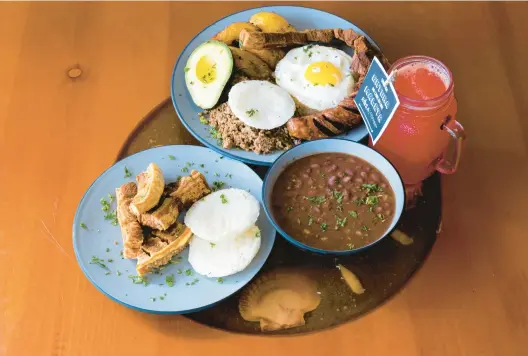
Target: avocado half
{"type": "Point", "coordinates": [207, 72]}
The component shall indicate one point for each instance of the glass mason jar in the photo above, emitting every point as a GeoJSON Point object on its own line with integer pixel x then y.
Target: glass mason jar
{"type": "Point", "coordinates": [423, 135]}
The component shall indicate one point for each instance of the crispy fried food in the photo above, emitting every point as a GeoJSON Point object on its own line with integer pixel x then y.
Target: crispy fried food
{"type": "Point", "coordinates": [131, 231]}
{"type": "Point", "coordinates": [191, 189]}
{"type": "Point", "coordinates": [270, 22]}
{"type": "Point", "coordinates": [162, 216]}
{"type": "Point", "coordinates": [150, 187]}
{"type": "Point", "coordinates": [271, 56]}
{"type": "Point", "coordinates": [250, 65]}
{"type": "Point", "coordinates": [262, 40]}
{"type": "Point", "coordinates": [231, 33]}
{"type": "Point", "coordinates": [157, 252]}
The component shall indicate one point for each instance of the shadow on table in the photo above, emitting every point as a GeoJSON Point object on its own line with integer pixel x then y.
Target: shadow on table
{"type": "Point", "coordinates": [178, 325]}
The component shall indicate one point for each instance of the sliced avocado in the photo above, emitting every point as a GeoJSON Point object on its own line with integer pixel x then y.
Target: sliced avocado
{"type": "Point", "coordinates": [207, 71]}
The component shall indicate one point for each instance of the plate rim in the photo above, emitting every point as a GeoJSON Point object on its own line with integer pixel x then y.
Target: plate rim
{"type": "Point", "coordinates": [173, 98]}
{"type": "Point", "coordinates": [75, 238]}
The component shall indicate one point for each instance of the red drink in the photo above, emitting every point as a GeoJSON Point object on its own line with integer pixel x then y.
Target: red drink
{"type": "Point", "coordinates": [423, 136]}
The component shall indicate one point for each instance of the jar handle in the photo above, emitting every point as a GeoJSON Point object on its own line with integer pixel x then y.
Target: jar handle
{"type": "Point", "coordinates": [448, 162]}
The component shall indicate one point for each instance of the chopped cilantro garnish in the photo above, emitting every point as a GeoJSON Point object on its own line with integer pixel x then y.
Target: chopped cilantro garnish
{"type": "Point", "coordinates": [340, 222]}
{"type": "Point", "coordinates": [353, 214]}
{"type": "Point", "coordinates": [318, 199]}
{"type": "Point", "coordinates": [220, 280]}
{"type": "Point", "coordinates": [107, 273]}
{"type": "Point", "coordinates": [110, 260]}
{"type": "Point", "coordinates": [111, 198]}
{"type": "Point", "coordinates": [179, 271]}
{"type": "Point", "coordinates": [83, 225]}
{"type": "Point", "coordinates": [364, 228]}
{"type": "Point", "coordinates": [107, 249]}
{"type": "Point", "coordinates": [310, 220]}
{"type": "Point", "coordinates": [371, 188]}
{"type": "Point", "coordinates": [152, 299]}
{"type": "Point", "coordinates": [350, 246]}
{"type": "Point", "coordinates": [212, 244]}
{"type": "Point", "coordinates": [139, 280]}
{"type": "Point", "coordinates": [118, 273]}
{"type": "Point", "coordinates": [257, 234]}
{"type": "Point", "coordinates": [324, 226]}
{"type": "Point", "coordinates": [338, 196]}
{"type": "Point", "coordinates": [171, 157]}
{"type": "Point", "coordinates": [228, 175]}
{"type": "Point", "coordinates": [127, 173]}
{"type": "Point", "coordinates": [202, 165]}
{"type": "Point", "coordinates": [186, 69]}
{"type": "Point", "coordinates": [371, 200]}
{"type": "Point", "coordinates": [98, 261]}
{"type": "Point", "coordinates": [217, 185]}
{"type": "Point", "coordinates": [188, 272]}
{"type": "Point", "coordinates": [216, 174]}
{"type": "Point", "coordinates": [203, 119]}
{"type": "Point", "coordinates": [184, 169]}
{"type": "Point", "coordinates": [161, 297]}
{"type": "Point", "coordinates": [224, 199]}
{"type": "Point", "coordinates": [251, 112]}
{"type": "Point", "coordinates": [169, 280]}
{"type": "Point", "coordinates": [290, 208]}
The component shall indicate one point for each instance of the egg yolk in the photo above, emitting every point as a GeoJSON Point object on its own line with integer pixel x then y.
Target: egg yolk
{"type": "Point", "coordinates": [323, 73]}
{"type": "Point", "coordinates": [206, 70]}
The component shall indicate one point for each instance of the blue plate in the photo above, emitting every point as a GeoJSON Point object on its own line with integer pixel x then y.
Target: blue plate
{"type": "Point", "coordinates": [329, 146]}
{"type": "Point", "coordinates": [301, 18]}
{"type": "Point", "coordinates": [99, 237]}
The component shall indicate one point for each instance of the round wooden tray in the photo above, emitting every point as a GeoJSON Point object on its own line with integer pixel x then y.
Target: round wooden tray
{"type": "Point", "coordinates": [383, 269]}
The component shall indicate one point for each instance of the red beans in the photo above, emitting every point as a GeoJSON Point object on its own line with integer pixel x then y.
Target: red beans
{"type": "Point", "coordinates": [375, 177]}
{"type": "Point", "coordinates": [332, 180]}
{"type": "Point", "coordinates": [358, 180]}
{"type": "Point", "coordinates": [349, 172]}
{"type": "Point", "coordinates": [305, 176]}
{"type": "Point", "coordinates": [331, 168]}
{"type": "Point", "coordinates": [340, 174]}
{"type": "Point", "coordinates": [310, 182]}
{"type": "Point", "coordinates": [316, 210]}
{"type": "Point", "coordinates": [378, 209]}
{"type": "Point", "coordinates": [363, 175]}
{"type": "Point", "coordinates": [315, 166]}
{"type": "Point", "coordinates": [346, 179]}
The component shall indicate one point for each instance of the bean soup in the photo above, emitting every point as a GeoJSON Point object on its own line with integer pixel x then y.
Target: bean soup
{"type": "Point", "coordinates": [333, 201]}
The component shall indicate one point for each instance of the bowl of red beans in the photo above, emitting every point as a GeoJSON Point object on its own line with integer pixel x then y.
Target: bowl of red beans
{"type": "Point", "coordinates": [333, 196]}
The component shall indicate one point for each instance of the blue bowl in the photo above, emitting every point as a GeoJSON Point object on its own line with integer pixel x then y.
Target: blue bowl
{"type": "Point", "coordinates": [334, 145]}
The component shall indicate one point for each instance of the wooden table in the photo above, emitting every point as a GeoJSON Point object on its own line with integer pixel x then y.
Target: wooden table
{"type": "Point", "coordinates": [57, 135]}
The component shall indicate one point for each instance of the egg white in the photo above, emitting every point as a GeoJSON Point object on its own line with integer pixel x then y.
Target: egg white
{"type": "Point", "coordinates": [290, 70]}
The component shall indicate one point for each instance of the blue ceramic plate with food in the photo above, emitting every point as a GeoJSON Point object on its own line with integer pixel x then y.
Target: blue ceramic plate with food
{"type": "Point", "coordinates": [252, 122]}
{"type": "Point", "coordinates": [333, 196]}
{"type": "Point", "coordinates": [172, 229]}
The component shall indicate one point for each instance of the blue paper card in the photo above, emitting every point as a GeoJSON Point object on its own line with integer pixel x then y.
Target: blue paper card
{"type": "Point", "coordinates": [377, 100]}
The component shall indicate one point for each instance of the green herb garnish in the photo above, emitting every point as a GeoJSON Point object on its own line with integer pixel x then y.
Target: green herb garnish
{"type": "Point", "coordinates": [171, 157]}
{"type": "Point", "coordinates": [202, 165]}
{"type": "Point", "coordinates": [107, 273]}
{"type": "Point", "coordinates": [338, 196]}
{"type": "Point", "coordinates": [107, 249]}
{"type": "Point", "coordinates": [220, 280]}
{"type": "Point", "coordinates": [324, 226]}
{"type": "Point", "coordinates": [118, 273]}
{"type": "Point", "coordinates": [350, 246]}
{"type": "Point", "coordinates": [229, 176]}
{"type": "Point", "coordinates": [371, 188]}
{"type": "Point", "coordinates": [364, 228]}
{"type": "Point", "coordinates": [340, 222]}
{"type": "Point", "coordinates": [212, 244]}
{"type": "Point", "coordinates": [224, 199]}
{"type": "Point", "coordinates": [152, 299]}
{"type": "Point", "coordinates": [217, 185]}
{"type": "Point", "coordinates": [186, 69]}
{"type": "Point", "coordinates": [188, 272]}
{"type": "Point", "coordinates": [184, 169]}
{"type": "Point", "coordinates": [251, 112]}
{"type": "Point", "coordinates": [371, 200]}
{"type": "Point", "coordinates": [83, 225]}
{"type": "Point", "coordinates": [353, 214]}
{"type": "Point", "coordinates": [318, 199]}
{"type": "Point", "coordinates": [98, 261]}
{"type": "Point", "coordinates": [310, 220]}
{"type": "Point", "coordinates": [127, 173]}
{"type": "Point", "coordinates": [169, 280]}
{"type": "Point", "coordinates": [111, 198]}
{"type": "Point", "coordinates": [290, 208]}
{"type": "Point", "coordinates": [139, 280]}
{"type": "Point", "coordinates": [257, 234]}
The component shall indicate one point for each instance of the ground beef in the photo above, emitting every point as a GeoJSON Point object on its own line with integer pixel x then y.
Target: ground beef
{"type": "Point", "coordinates": [234, 133]}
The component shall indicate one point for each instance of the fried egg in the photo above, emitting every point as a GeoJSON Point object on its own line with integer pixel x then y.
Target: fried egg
{"type": "Point", "coordinates": [318, 77]}
{"type": "Point", "coordinates": [225, 257]}
{"type": "Point", "coordinates": [223, 214]}
{"type": "Point", "coordinates": [261, 104]}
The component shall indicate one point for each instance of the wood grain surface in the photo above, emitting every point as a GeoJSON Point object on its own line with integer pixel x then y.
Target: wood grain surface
{"type": "Point", "coordinates": [58, 134]}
